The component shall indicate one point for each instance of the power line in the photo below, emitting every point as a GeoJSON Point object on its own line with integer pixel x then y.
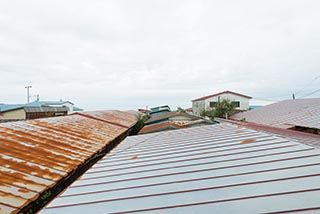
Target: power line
{"type": "Point", "coordinates": [264, 99]}
{"type": "Point", "coordinates": [301, 90]}
{"type": "Point", "coordinates": [313, 92]}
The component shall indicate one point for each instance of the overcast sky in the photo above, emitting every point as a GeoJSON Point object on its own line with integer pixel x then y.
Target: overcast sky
{"type": "Point", "coordinates": [136, 53]}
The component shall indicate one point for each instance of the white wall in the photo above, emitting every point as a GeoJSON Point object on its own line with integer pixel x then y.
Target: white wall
{"type": "Point", "coordinates": [18, 114]}
{"type": "Point", "coordinates": [198, 106]}
{"type": "Point", "coordinates": [244, 102]}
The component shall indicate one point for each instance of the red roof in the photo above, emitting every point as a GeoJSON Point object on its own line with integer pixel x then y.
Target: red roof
{"type": "Point", "coordinates": [224, 92]}
{"type": "Point", "coordinates": [189, 109]}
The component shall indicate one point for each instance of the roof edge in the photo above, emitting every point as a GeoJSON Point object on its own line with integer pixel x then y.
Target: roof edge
{"type": "Point", "coordinates": [223, 92]}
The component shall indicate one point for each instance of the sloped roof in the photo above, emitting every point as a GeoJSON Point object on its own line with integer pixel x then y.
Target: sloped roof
{"type": "Point", "coordinates": [50, 102]}
{"type": "Point", "coordinates": [301, 137]}
{"type": "Point", "coordinates": [170, 115]}
{"type": "Point", "coordinates": [220, 93]}
{"type": "Point", "coordinates": [286, 114]}
{"type": "Point", "coordinates": [159, 108]}
{"type": "Point", "coordinates": [160, 127]}
{"type": "Point", "coordinates": [10, 107]}
{"type": "Point", "coordinates": [29, 109]}
{"type": "Point", "coordinates": [210, 169]}
{"type": "Point", "coordinates": [35, 155]}
{"type": "Point", "coordinates": [119, 118]}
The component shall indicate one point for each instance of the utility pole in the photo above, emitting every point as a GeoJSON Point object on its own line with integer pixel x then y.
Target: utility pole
{"type": "Point", "coordinates": [28, 95]}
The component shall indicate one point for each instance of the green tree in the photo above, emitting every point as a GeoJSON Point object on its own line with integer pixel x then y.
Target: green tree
{"type": "Point", "coordinates": [179, 109]}
{"type": "Point", "coordinates": [207, 113]}
{"type": "Point", "coordinates": [140, 123]}
{"type": "Point", "coordinates": [224, 108]}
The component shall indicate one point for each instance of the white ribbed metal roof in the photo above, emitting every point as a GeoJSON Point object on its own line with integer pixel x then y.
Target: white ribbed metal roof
{"type": "Point", "coordinates": [210, 169]}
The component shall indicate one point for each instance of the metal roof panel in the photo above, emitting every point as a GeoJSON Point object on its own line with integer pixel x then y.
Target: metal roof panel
{"type": "Point", "coordinates": [201, 169]}
{"type": "Point", "coordinates": [36, 154]}
{"type": "Point", "coordinates": [286, 114]}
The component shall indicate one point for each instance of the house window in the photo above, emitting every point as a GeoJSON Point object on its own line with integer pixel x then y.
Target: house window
{"type": "Point", "coordinates": [213, 104]}
{"type": "Point", "coordinates": [236, 104]}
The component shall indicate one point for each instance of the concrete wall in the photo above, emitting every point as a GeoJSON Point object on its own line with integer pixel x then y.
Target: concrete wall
{"type": "Point", "coordinates": [198, 106]}
{"type": "Point", "coordinates": [18, 114]}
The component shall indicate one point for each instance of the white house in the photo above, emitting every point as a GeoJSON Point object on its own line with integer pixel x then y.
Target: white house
{"type": "Point", "coordinates": [208, 102]}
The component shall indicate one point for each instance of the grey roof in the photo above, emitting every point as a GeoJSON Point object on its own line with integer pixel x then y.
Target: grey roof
{"type": "Point", "coordinates": [210, 169]}
{"type": "Point", "coordinates": [286, 114]}
{"type": "Point", "coordinates": [30, 109]}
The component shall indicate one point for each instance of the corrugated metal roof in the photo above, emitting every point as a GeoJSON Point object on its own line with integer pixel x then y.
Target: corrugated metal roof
{"type": "Point", "coordinates": [210, 169]}
{"type": "Point", "coordinates": [112, 116]}
{"type": "Point", "coordinates": [36, 154]}
{"type": "Point", "coordinates": [9, 107]}
{"type": "Point", "coordinates": [30, 109]}
{"type": "Point", "coordinates": [301, 137]}
{"type": "Point", "coordinates": [286, 114]}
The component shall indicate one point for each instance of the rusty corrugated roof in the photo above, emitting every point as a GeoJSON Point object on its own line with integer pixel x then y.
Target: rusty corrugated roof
{"type": "Point", "coordinates": [112, 116]}
{"type": "Point", "coordinates": [36, 154]}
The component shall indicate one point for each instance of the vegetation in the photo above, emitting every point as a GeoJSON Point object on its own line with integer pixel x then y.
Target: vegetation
{"type": "Point", "coordinates": [243, 120]}
{"type": "Point", "coordinates": [223, 109]}
{"type": "Point", "coordinates": [207, 113]}
{"type": "Point", "coordinates": [141, 119]}
{"type": "Point", "coordinates": [179, 109]}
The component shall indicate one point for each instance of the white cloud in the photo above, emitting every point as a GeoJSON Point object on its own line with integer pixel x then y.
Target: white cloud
{"type": "Point", "coordinates": [129, 54]}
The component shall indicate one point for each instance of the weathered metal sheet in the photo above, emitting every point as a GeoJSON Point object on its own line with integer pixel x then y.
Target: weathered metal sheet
{"type": "Point", "coordinates": [36, 154]}
{"type": "Point", "coordinates": [286, 114]}
{"type": "Point", "coordinates": [210, 169]}
{"type": "Point", "coordinates": [113, 116]}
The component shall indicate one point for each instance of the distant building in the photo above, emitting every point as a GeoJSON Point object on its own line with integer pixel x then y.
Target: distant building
{"type": "Point", "coordinates": [189, 110]}
{"type": "Point", "coordinates": [253, 107]}
{"type": "Point", "coordinates": [159, 110]}
{"type": "Point", "coordinates": [37, 109]}
{"type": "Point", "coordinates": [208, 102]}
{"type": "Point", "coordinates": [172, 120]}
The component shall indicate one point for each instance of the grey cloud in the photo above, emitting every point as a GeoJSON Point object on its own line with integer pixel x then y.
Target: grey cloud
{"type": "Point", "coordinates": [128, 54]}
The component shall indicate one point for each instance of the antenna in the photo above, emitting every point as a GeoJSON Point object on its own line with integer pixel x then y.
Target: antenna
{"type": "Point", "coordinates": [37, 97]}
{"type": "Point", "coordinates": [28, 95]}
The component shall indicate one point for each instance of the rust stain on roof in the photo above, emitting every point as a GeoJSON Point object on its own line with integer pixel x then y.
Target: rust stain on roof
{"type": "Point", "coordinates": [36, 154]}
{"type": "Point", "coordinates": [248, 141]}
{"type": "Point", "coordinates": [115, 117]}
